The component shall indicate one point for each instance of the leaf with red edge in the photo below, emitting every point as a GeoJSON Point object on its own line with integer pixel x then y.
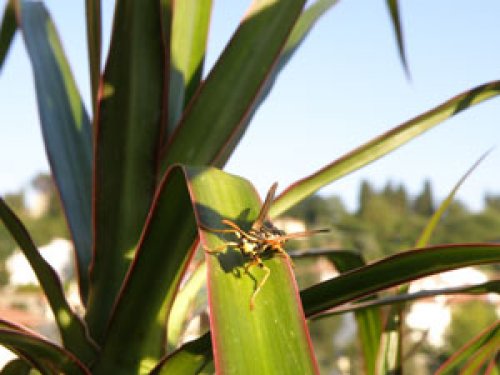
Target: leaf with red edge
{"type": "Point", "coordinates": [382, 145]}
{"type": "Point", "coordinates": [474, 353]}
{"type": "Point", "coordinates": [65, 127]}
{"type": "Point", "coordinates": [222, 103]}
{"type": "Point", "coordinates": [127, 130]}
{"type": "Point", "coordinates": [272, 336]}
{"type": "Point", "coordinates": [46, 356]}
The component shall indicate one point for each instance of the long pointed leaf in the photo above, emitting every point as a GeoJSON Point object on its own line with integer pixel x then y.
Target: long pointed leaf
{"type": "Point", "coordinates": [48, 354]}
{"type": "Point", "coordinates": [302, 27]}
{"type": "Point", "coordinates": [382, 145]}
{"type": "Point", "coordinates": [191, 19]}
{"type": "Point", "coordinates": [490, 335]}
{"type": "Point", "coordinates": [8, 29]}
{"type": "Point", "coordinates": [395, 270]}
{"type": "Point", "coordinates": [190, 359]}
{"type": "Point", "coordinates": [492, 286]}
{"type": "Point", "coordinates": [183, 303]}
{"type": "Point", "coordinates": [272, 337]}
{"type": "Point", "coordinates": [17, 367]}
{"type": "Point", "coordinates": [65, 128]}
{"type": "Point", "coordinates": [443, 207]}
{"type": "Point", "coordinates": [165, 248]}
{"type": "Point", "coordinates": [380, 275]}
{"type": "Point", "coordinates": [93, 15]}
{"type": "Point", "coordinates": [222, 103]}
{"type": "Point", "coordinates": [394, 361]}
{"type": "Point", "coordinates": [368, 321]}
{"type": "Point", "coordinates": [71, 328]}
{"type": "Point", "coordinates": [393, 7]}
{"type": "Point", "coordinates": [127, 135]}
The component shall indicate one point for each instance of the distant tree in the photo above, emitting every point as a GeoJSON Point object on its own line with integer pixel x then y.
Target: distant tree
{"type": "Point", "coordinates": [401, 199]}
{"type": "Point", "coordinates": [424, 202]}
{"type": "Point", "coordinates": [366, 195]}
{"type": "Point", "coordinates": [492, 202]}
{"type": "Point", "coordinates": [396, 197]}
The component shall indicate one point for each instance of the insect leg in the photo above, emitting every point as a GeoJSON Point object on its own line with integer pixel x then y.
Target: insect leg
{"type": "Point", "coordinates": [282, 251]}
{"type": "Point", "coordinates": [258, 261]}
{"type": "Point", "coordinates": [220, 249]}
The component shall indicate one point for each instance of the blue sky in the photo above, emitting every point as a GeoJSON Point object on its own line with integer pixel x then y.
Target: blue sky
{"type": "Point", "coordinates": [345, 86]}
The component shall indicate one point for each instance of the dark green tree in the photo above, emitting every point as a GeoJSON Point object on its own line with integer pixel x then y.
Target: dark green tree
{"type": "Point", "coordinates": [424, 202]}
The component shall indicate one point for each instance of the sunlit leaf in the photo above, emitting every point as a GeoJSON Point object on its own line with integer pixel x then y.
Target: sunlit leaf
{"type": "Point", "coordinates": [188, 39]}
{"type": "Point", "coordinates": [382, 145]}
{"type": "Point", "coordinates": [220, 106]}
{"type": "Point", "coordinates": [485, 344]}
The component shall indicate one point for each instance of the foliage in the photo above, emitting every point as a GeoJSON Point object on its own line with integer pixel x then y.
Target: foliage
{"type": "Point", "coordinates": [141, 191]}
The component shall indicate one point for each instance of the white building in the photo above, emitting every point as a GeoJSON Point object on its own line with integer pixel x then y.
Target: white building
{"type": "Point", "coordinates": [58, 253]}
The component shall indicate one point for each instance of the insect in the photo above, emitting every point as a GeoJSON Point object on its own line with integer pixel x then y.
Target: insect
{"type": "Point", "coordinates": [263, 238]}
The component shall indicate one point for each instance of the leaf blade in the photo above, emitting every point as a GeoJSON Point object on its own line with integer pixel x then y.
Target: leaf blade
{"type": "Point", "coordinates": [393, 7]}
{"type": "Point", "coordinates": [382, 145]}
{"type": "Point", "coordinates": [171, 225]}
{"type": "Point", "coordinates": [8, 29]}
{"type": "Point", "coordinates": [223, 101]}
{"type": "Point", "coordinates": [191, 19]}
{"type": "Point", "coordinates": [71, 328]}
{"type": "Point", "coordinates": [93, 16]}
{"type": "Point", "coordinates": [300, 31]}
{"type": "Point", "coordinates": [46, 353]}
{"type": "Point", "coordinates": [127, 135]}
{"type": "Point", "coordinates": [65, 128]}
{"type": "Point", "coordinates": [395, 270]}
{"type": "Point", "coordinates": [489, 335]}
{"type": "Point", "coordinates": [271, 338]}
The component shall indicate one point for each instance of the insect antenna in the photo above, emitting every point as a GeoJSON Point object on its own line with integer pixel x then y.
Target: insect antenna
{"type": "Point", "coordinates": [257, 224]}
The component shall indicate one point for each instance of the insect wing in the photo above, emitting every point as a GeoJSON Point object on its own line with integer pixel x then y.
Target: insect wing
{"type": "Point", "coordinates": [257, 224]}
{"type": "Point", "coordinates": [303, 234]}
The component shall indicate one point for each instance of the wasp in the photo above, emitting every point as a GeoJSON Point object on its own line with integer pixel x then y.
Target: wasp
{"type": "Point", "coordinates": [262, 239]}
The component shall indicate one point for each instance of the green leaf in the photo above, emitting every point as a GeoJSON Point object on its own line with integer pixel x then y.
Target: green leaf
{"type": "Point", "coordinates": [381, 146]}
{"type": "Point", "coordinates": [8, 29]}
{"type": "Point", "coordinates": [93, 16]}
{"type": "Point", "coordinates": [190, 359]}
{"type": "Point", "coordinates": [127, 135]}
{"type": "Point", "coordinates": [472, 354]}
{"type": "Point", "coordinates": [65, 128]}
{"type": "Point", "coordinates": [369, 321]}
{"type": "Point", "coordinates": [393, 7]}
{"type": "Point", "coordinates": [271, 338]}
{"type": "Point", "coordinates": [71, 328]}
{"type": "Point", "coordinates": [392, 360]}
{"type": "Point", "coordinates": [209, 194]}
{"type": "Point", "coordinates": [302, 27]}
{"type": "Point", "coordinates": [47, 354]}
{"type": "Point", "coordinates": [492, 286]}
{"type": "Point", "coordinates": [384, 274]}
{"type": "Point", "coordinates": [436, 217]}
{"type": "Point", "coordinates": [395, 270]}
{"type": "Point", "coordinates": [222, 103]}
{"type": "Point", "coordinates": [183, 303]}
{"type": "Point", "coordinates": [164, 250]}
{"type": "Point", "coordinates": [16, 367]}
{"type": "Point", "coordinates": [191, 19]}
